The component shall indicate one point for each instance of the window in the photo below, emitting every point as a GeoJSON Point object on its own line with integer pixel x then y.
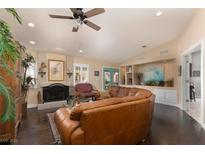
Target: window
{"type": "Point", "coordinates": [32, 72]}
{"type": "Point", "coordinates": [81, 73]}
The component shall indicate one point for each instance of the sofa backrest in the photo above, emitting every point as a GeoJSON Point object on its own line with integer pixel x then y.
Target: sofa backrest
{"type": "Point", "coordinates": [117, 124]}
{"type": "Point", "coordinates": [77, 110]}
{"type": "Point", "coordinates": [119, 95]}
{"type": "Point", "coordinates": [113, 91]}
{"type": "Point", "coordinates": [123, 92]}
{"type": "Point", "coordinates": [117, 91]}
{"type": "Point", "coordinates": [83, 87]}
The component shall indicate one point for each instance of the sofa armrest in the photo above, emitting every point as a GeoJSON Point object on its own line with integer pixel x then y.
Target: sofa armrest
{"type": "Point", "coordinates": [68, 126]}
{"type": "Point", "coordinates": [104, 95]}
{"type": "Point", "coordinates": [65, 125]}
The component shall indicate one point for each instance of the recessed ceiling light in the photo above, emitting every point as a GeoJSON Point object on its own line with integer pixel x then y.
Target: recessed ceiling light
{"type": "Point", "coordinates": [30, 24]}
{"type": "Point", "coordinates": [32, 42]}
{"type": "Point", "coordinates": [159, 13]}
{"type": "Point", "coordinates": [80, 51]}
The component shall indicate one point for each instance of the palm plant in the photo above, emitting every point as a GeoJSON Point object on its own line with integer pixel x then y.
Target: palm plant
{"type": "Point", "coordinates": [9, 53]}
{"type": "Point", "coordinates": [27, 80]}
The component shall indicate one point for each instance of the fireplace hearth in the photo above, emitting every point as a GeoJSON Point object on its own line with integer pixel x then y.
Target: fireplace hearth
{"type": "Point", "coordinates": [55, 92]}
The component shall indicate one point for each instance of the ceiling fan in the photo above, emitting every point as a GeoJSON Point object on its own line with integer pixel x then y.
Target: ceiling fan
{"type": "Point", "coordinates": [80, 17]}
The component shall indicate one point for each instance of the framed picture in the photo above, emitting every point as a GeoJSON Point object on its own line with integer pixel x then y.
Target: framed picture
{"type": "Point", "coordinates": [55, 70]}
{"type": "Point", "coordinates": [107, 76]}
{"type": "Point", "coordinates": [96, 73]}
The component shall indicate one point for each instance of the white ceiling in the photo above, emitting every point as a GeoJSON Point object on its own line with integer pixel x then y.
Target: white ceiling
{"type": "Point", "coordinates": [123, 31]}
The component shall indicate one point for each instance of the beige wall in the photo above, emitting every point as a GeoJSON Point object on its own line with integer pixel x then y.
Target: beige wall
{"type": "Point", "coordinates": [94, 65]}
{"type": "Point", "coordinates": [154, 54]}
{"type": "Point", "coordinates": [194, 32]}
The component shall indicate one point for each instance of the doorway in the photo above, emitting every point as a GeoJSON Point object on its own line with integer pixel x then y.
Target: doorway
{"type": "Point", "coordinates": [110, 77]}
{"type": "Point", "coordinates": [192, 83]}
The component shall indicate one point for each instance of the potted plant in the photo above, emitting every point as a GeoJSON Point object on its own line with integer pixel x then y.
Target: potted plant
{"type": "Point", "coordinates": [9, 53]}
{"type": "Point", "coordinates": [139, 78]}
{"type": "Point", "coordinates": [26, 62]}
{"type": "Point", "coordinates": [170, 83]}
{"type": "Point", "coordinates": [151, 83]}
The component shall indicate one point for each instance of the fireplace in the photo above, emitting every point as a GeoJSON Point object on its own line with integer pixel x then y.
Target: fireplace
{"type": "Point", "coordinates": [55, 92]}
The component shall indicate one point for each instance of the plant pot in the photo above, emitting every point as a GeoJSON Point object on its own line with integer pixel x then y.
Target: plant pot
{"type": "Point", "coordinates": [170, 83]}
{"type": "Point", "coordinates": [24, 104]}
{"type": "Point", "coordinates": [24, 109]}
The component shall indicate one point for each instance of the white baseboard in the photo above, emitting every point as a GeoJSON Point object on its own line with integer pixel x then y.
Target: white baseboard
{"type": "Point", "coordinates": [32, 106]}
{"type": "Point", "coordinates": [175, 105]}
{"type": "Point", "coordinates": [50, 105]}
{"type": "Point", "coordinates": [203, 125]}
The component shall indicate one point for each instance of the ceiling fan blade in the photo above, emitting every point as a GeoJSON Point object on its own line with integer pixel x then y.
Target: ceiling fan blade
{"type": "Point", "coordinates": [92, 25]}
{"type": "Point", "coordinates": [75, 29]}
{"type": "Point", "coordinates": [61, 17]}
{"type": "Point", "coordinates": [75, 10]}
{"type": "Point", "coordinates": [94, 12]}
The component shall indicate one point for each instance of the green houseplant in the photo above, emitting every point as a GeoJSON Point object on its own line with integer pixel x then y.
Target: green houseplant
{"type": "Point", "coordinates": [170, 83]}
{"type": "Point", "coordinates": [9, 53]}
{"type": "Point", "coordinates": [27, 80]}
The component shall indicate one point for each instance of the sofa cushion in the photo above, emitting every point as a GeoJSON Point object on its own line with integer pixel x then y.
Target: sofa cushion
{"type": "Point", "coordinates": [144, 93]}
{"type": "Point", "coordinates": [83, 87]}
{"type": "Point", "coordinates": [123, 91]}
{"type": "Point", "coordinates": [132, 91]}
{"type": "Point", "coordinates": [113, 91]}
{"type": "Point", "coordinates": [132, 98]}
{"type": "Point", "coordinates": [87, 94]}
{"type": "Point", "coordinates": [77, 110]}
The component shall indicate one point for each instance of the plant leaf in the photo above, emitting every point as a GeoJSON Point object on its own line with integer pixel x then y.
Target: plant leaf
{"type": "Point", "coordinates": [9, 102]}
{"type": "Point", "coordinates": [15, 14]}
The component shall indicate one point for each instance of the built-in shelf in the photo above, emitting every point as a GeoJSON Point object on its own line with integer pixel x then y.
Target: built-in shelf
{"type": "Point", "coordinates": [122, 75]}
{"type": "Point", "coordinates": [138, 74]}
{"type": "Point", "coordinates": [129, 69]}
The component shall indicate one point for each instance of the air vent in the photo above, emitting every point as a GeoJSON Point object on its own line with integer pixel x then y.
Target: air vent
{"type": "Point", "coordinates": [144, 46]}
{"type": "Point", "coordinates": [163, 52]}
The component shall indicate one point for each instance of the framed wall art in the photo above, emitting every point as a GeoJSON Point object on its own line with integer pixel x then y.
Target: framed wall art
{"type": "Point", "coordinates": [55, 70]}
{"type": "Point", "coordinates": [96, 73]}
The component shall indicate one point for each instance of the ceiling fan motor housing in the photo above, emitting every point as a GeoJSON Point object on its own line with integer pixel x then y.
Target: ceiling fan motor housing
{"type": "Point", "coordinates": [80, 16]}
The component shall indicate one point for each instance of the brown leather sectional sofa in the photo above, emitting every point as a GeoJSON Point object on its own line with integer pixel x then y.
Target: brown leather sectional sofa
{"type": "Point", "coordinates": [123, 118]}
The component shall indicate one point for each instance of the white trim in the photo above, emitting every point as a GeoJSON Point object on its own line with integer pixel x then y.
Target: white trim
{"type": "Point", "coordinates": [202, 82]}
{"type": "Point", "coordinates": [182, 88]}
{"type": "Point", "coordinates": [32, 106]}
{"type": "Point", "coordinates": [50, 105]}
{"type": "Point", "coordinates": [203, 126]}
{"type": "Point", "coordinates": [175, 105]}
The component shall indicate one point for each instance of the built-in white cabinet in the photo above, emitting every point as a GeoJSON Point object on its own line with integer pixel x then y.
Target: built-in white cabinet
{"type": "Point", "coordinates": [166, 96]}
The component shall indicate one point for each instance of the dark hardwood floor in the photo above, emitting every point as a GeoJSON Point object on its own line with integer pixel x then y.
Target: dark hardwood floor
{"type": "Point", "coordinates": [170, 125]}
{"type": "Point", "coordinates": [35, 129]}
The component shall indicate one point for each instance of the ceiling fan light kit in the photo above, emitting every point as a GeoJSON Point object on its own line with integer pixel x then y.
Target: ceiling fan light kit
{"type": "Point", "coordinates": [79, 17]}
